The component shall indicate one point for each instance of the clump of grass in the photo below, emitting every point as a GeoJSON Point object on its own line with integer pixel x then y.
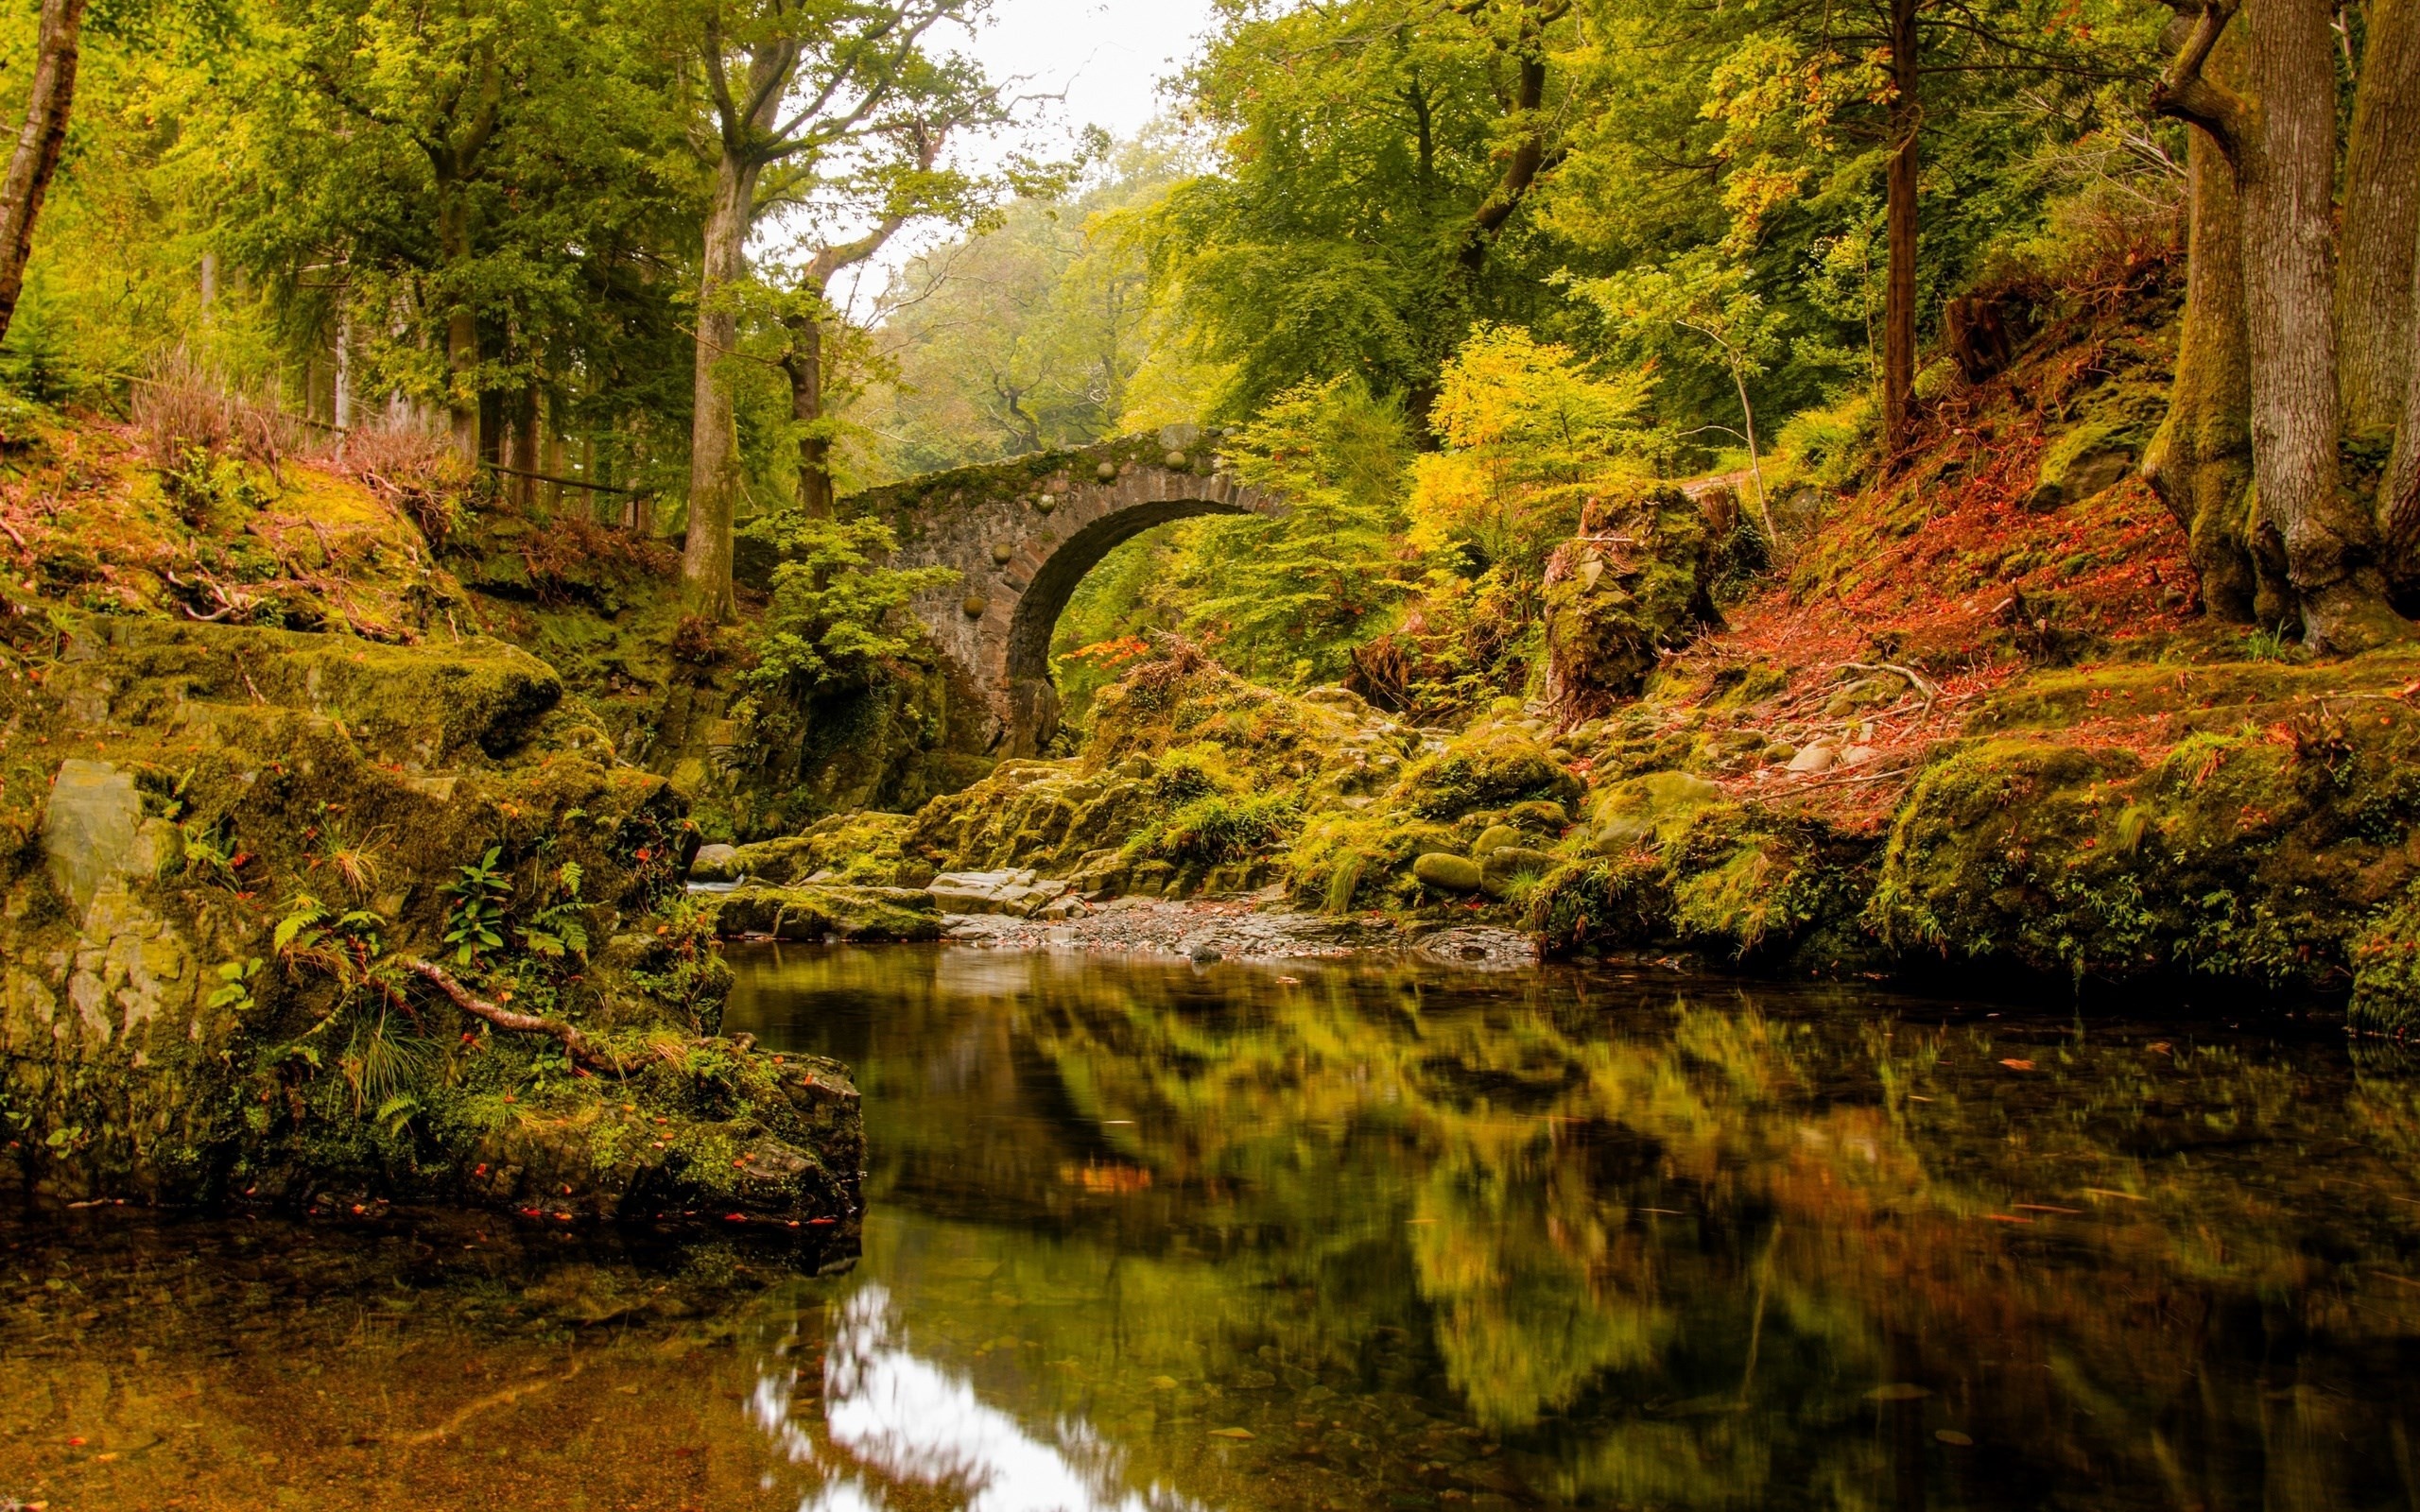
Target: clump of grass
{"type": "Point", "coordinates": [191, 415]}
{"type": "Point", "coordinates": [1220, 828]}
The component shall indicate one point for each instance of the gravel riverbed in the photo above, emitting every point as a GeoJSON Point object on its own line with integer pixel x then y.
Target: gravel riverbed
{"type": "Point", "coordinates": [1236, 930]}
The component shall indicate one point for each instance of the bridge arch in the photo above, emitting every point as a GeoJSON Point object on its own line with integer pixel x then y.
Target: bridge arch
{"type": "Point", "coordinates": [1022, 534]}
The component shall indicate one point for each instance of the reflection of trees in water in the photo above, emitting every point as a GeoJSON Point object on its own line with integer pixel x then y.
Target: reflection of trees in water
{"type": "Point", "coordinates": [1675, 1244]}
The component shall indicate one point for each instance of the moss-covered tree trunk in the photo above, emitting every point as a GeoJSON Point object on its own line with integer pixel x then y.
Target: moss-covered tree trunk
{"type": "Point", "coordinates": [39, 144]}
{"type": "Point", "coordinates": [2399, 492]}
{"type": "Point", "coordinates": [2287, 164]}
{"type": "Point", "coordinates": [2200, 461]}
{"type": "Point", "coordinates": [804, 362]}
{"type": "Point", "coordinates": [714, 435]}
{"type": "Point", "coordinates": [2381, 222]}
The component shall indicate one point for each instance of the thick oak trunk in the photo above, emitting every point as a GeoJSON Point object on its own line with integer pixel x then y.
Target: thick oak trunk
{"type": "Point", "coordinates": [2287, 175]}
{"type": "Point", "coordinates": [1899, 290]}
{"type": "Point", "coordinates": [713, 436]}
{"type": "Point", "coordinates": [2380, 222]}
{"type": "Point", "coordinates": [39, 144]}
{"type": "Point", "coordinates": [2200, 461]}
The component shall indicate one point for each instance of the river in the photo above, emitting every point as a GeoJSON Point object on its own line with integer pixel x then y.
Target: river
{"type": "Point", "coordinates": [1145, 1235]}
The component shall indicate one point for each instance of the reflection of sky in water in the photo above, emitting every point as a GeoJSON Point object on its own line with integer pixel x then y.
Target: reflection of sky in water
{"type": "Point", "coordinates": [909, 1421]}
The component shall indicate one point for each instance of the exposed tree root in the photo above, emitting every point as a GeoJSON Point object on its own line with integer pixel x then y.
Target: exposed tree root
{"type": "Point", "coordinates": [583, 1053]}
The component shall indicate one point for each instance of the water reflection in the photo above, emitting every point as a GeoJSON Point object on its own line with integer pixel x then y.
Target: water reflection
{"type": "Point", "coordinates": [1590, 1242]}
{"type": "Point", "coordinates": [914, 1422]}
{"type": "Point", "coordinates": [1146, 1238]}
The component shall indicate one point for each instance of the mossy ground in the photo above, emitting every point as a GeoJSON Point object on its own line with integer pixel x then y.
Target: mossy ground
{"type": "Point", "coordinates": [203, 996]}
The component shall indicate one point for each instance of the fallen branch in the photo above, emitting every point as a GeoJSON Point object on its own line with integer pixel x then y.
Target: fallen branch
{"type": "Point", "coordinates": [1917, 680]}
{"type": "Point", "coordinates": [582, 1052]}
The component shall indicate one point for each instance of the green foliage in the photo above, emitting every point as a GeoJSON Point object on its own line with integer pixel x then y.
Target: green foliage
{"type": "Point", "coordinates": [1288, 597]}
{"type": "Point", "coordinates": [1527, 435]}
{"type": "Point", "coordinates": [835, 615]}
{"type": "Point", "coordinates": [560, 929]}
{"type": "Point", "coordinates": [236, 980]}
{"type": "Point", "coordinates": [474, 918]}
{"type": "Point", "coordinates": [1218, 828]}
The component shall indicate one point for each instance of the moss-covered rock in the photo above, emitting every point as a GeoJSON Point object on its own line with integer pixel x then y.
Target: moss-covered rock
{"type": "Point", "coordinates": [1637, 583]}
{"type": "Point", "coordinates": [2093, 456]}
{"type": "Point", "coordinates": [859, 850]}
{"type": "Point", "coordinates": [2385, 959]}
{"type": "Point", "coordinates": [1493, 765]}
{"type": "Point", "coordinates": [236, 997]}
{"type": "Point", "coordinates": [2256, 855]}
{"type": "Point", "coordinates": [814, 913]}
{"type": "Point", "coordinates": [1650, 808]}
{"type": "Point", "coordinates": [1447, 872]}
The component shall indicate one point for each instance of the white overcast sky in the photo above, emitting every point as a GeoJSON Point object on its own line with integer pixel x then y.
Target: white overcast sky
{"type": "Point", "coordinates": [1107, 57]}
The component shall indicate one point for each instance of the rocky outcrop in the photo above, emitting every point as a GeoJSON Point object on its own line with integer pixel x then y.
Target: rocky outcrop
{"type": "Point", "coordinates": [244, 852]}
{"type": "Point", "coordinates": [818, 913]}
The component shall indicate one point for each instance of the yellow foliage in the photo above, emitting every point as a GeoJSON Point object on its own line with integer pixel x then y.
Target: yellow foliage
{"type": "Point", "coordinates": [1528, 432]}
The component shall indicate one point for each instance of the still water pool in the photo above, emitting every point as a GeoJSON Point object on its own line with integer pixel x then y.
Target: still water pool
{"type": "Point", "coordinates": [1147, 1236]}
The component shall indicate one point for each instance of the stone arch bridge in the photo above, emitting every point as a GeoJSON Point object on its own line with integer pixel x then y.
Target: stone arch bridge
{"type": "Point", "coordinates": [1022, 534]}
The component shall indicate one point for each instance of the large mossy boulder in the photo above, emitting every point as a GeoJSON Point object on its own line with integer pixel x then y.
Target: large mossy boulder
{"type": "Point", "coordinates": [1637, 583]}
{"type": "Point", "coordinates": [2256, 855]}
{"type": "Point", "coordinates": [1497, 764]}
{"type": "Point", "coordinates": [1740, 881]}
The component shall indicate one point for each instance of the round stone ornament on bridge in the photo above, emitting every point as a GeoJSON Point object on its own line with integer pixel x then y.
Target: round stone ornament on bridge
{"type": "Point", "coordinates": [1106, 471]}
{"type": "Point", "coordinates": [1046, 504]}
{"type": "Point", "coordinates": [1002, 554]}
{"type": "Point", "coordinates": [1178, 461]}
{"type": "Point", "coordinates": [974, 604]}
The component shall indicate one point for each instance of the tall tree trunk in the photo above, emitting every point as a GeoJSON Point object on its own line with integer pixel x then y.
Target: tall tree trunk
{"type": "Point", "coordinates": [461, 329]}
{"type": "Point", "coordinates": [2200, 461]}
{"type": "Point", "coordinates": [2288, 167]}
{"type": "Point", "coordinates": [1899, 293]}
{"type": "Point", "coordinates": [804, 362]}
{"type": "Point", "coordinates": [39, 144]}
{"type": "Point", "coordinates": [2399, 492]}
{"type": "Point", "coordinates": [550, 452]}
{"type": "Point", "coordinates": [2380, 222]}
{"type": "Point", "coordinates": [713, 436]}
{"type": "Point", "coordinates": [525, 447]}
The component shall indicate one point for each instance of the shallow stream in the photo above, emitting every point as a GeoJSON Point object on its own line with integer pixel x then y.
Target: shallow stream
{"type": "Point", "coordinates": [1143, 1235]}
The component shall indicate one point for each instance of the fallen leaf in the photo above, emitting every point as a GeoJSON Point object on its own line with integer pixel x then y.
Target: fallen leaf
{"type": "Point", "coordinates": [1164, 1383]}
{"type": "Point", "coordinates": [2105, 1192]}
{"type": "Point", "coordinates": [1898, 1391]}
{"type": "Point", "coordinates": [2003, 1217]}
{"type": "Point", "coordinates": [1231, 1432]}
{"type": "Point", "coordinates": [2018, 1065]}
{"type": "Point", "coordinates": [2161, 1048]}
{"type": "Point", "coordinates": [2041, 1207]}
{"type": "Point", "coordinates": [1951, 1436]}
